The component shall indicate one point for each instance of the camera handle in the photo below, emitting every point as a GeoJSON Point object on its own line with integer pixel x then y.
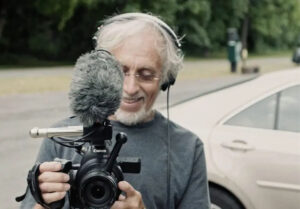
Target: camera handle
{"type": "Point", "coordinates": [66, 167]}
{"type": "Point", "coordinates": [33, 185]}
{"type": "Point", "coordinates": [121, 139]}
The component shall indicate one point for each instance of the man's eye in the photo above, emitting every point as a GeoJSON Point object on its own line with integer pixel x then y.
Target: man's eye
{"type": "Point", "coordinates": [146, 77]}
{"type": "Point", "coordinates": [125, 69]}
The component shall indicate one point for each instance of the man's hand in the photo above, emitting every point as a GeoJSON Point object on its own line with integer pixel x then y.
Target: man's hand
{"type": "Point", "coordinates": [133, 199]}
{"type": "Point", "coordinates": [53, 184]}
{"type": "Point", "coordinates": [38, 206]}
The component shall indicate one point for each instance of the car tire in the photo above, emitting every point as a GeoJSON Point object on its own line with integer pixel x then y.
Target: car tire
{"type": "Point", "coordinates": [222, 199]}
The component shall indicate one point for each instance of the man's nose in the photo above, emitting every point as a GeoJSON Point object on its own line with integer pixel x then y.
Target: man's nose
{"type": "Point", "coordinates": [131, 85]}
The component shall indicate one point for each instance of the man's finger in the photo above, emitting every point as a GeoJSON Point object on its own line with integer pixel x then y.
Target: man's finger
{"type": "Point", "coordinates": [53, 197]}
{"type": "Point", "coordinates": [54, 187]}
{"type": "Point", "coordinates": [50, 166]}
{"type": "Point", "coordinates": [127, 188]}
{"type": "Point", "coordinates": [118, 205]}
{"type": "Point", "coordinates": [38, 206]}
{"type": "Point", "coordinates": [121, 197]}
{"type": "Point", "coordinates": [57, 177]}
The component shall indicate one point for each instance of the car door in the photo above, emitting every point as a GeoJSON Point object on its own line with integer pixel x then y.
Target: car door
{"type": "Point", "coordinates": [258, 150]}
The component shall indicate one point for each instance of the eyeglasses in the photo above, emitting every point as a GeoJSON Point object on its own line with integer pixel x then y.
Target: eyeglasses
{"type": "Point", "coordinates": [144, 76]}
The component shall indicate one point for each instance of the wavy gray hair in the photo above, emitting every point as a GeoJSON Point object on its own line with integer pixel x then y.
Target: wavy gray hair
{"type": "Point", "coordinates": [112, 33]}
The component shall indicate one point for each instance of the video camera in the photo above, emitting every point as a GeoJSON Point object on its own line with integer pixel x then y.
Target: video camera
{"type": "Point", "coordinates": [94, 182]}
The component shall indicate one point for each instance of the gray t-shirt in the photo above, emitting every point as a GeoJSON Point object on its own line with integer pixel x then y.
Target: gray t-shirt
{"type": "Point", "coordinates": [148, 141]}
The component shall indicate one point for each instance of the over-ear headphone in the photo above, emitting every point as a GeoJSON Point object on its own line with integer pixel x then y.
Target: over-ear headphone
{"type": "Point", "coordinates": [166, 85]}
{"type": "Point", "coordinates": [133, 16]}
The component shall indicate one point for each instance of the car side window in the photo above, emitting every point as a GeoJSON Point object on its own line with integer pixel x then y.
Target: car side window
{"type": "Point", "coordinates": [259, 115]}
{"type": "Point", "coordinates": [289, 110]}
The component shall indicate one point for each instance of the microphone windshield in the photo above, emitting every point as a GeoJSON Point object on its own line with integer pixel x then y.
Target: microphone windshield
{"type": "Point", "coordinates": [96, 87]}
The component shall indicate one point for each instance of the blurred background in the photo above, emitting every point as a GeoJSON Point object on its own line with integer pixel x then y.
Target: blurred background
{"type": "Point", "coordinates": [59, 31]}
{"type": "Point", "coordinates": [225, 43]}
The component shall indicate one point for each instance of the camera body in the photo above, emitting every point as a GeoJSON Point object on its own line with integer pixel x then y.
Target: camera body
{"type": "Point", "coordinates": [92, 186]}
{"type": "Point", "coordinates": [94, 181]}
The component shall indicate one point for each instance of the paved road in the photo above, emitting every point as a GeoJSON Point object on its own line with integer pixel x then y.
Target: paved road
{"type": "Point", "coordinates": [20, 112]}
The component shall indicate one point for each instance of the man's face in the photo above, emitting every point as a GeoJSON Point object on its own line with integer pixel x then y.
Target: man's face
{"type": "Point", "coordinates": [138, 56]}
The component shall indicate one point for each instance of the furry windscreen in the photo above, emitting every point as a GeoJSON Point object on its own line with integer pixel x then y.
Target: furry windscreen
{"type": "Point", "coordinates": [96, 87]}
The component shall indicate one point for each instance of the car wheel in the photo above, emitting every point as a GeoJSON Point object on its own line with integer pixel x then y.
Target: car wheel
{"type": "Point", "coordinates": [221, 199]}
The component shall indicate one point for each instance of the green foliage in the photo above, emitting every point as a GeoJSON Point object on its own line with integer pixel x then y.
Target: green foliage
{"type": "Point", "coordinates": [192, 18]}
{"type": "Point", "coordinates": [156, 7]}
{"type": "Point", "coordinates": [63, 29]}
{"type": "Point", "coordinates": [61, 11]}
{"type": "Point", "coordinates": [274, 23]}
{"type": "Point", "coordinates": [225, 14]}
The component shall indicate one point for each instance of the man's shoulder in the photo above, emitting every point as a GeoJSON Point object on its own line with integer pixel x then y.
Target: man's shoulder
{"type": "Point", "coordinates": [180, 132]}
{"type": "Point", "coordinates": [184, 134]}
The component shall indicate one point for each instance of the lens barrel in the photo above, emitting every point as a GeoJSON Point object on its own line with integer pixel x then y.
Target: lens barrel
{"type": "Point", "coordinates": [98, 189]}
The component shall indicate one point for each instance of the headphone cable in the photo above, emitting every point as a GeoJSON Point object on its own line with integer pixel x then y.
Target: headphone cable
{"type": "Point", "coordinates": [168, 153]}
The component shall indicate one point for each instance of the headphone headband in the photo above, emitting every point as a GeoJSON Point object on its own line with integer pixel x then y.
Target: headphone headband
{"type": "Point", "coordinates": [135, 15]}
{"type": "Point", "coordinates": [152, 19]}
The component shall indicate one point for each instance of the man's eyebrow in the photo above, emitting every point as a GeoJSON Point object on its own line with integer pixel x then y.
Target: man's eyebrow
{"type": "Point", "coordinates": [147, 67]}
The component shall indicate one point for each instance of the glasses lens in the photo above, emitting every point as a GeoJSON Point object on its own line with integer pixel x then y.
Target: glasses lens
{"type": "Point", "coordinates": [147, 76]}
{"type": "Point", "coordinates": [144, 76]}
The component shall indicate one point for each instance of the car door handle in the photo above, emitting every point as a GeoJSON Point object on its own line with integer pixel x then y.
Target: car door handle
{"type": "Point", "coordinates": [238, 145]}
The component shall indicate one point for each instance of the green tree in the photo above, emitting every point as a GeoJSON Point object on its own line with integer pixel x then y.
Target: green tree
{"type": "Point", "coordinates": [274, 24]}
{"type": "Point", "coordinates": [34, 27]}
{"type": "Point", "coordinates": [187, 18]}
{"type": "Point", "coordinates": [61, 11]}
{"type": "Point", "coordinates": [192, 18]}
{"type": "Point", "coordinates": [225, 14]}
{"type": "Point", "coordinates": [166, 9]}
{"type": "Point", "coordinates": [63, 29]}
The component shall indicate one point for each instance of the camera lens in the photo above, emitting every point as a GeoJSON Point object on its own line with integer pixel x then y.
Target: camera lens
{"type": "Point", "coordinates": [98, 190]}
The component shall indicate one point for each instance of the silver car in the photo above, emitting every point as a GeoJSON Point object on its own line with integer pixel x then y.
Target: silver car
{"type": "Point", "coordinates": [251, 135]}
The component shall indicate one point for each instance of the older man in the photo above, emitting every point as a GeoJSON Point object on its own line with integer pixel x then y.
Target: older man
{"type": "Point", "coordinates": [173, 173]}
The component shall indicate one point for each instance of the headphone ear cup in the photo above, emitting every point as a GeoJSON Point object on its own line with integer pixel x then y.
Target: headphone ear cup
{"type": "Point", "coordinates": [168, 83]}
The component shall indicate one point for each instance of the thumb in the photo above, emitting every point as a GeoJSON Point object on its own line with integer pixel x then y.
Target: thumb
{"type": "Point", "coordinates": [127, 188]}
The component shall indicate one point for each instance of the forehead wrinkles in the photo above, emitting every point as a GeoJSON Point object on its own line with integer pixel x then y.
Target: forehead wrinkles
{"type": "Point", "coordinates": [138, 52]}
{"type": "Point", "coordinates": [134, 64]}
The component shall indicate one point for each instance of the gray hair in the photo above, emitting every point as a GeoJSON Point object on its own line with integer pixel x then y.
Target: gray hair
{"type": "Point", "coordinates": [112, 33]}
